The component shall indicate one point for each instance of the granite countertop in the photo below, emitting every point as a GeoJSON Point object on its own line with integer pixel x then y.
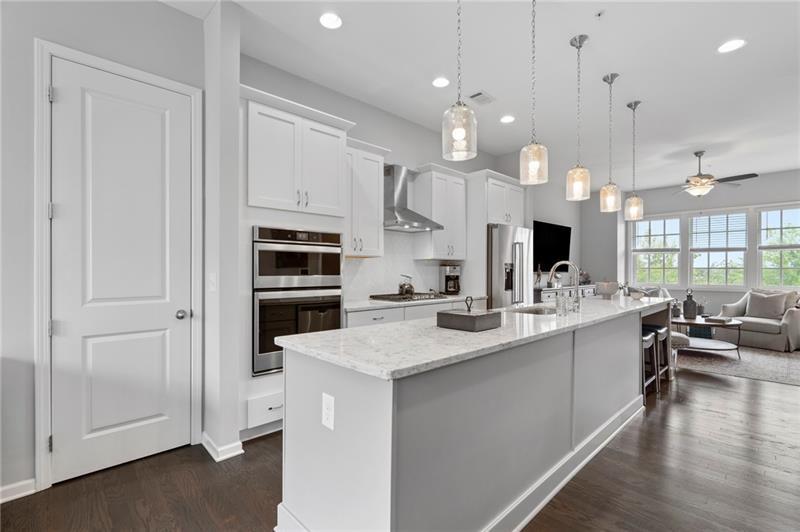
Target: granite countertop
{"type": "Point", "coordinates": [401, 349]}
{"type": "Point", "coordinates": [377, 304]}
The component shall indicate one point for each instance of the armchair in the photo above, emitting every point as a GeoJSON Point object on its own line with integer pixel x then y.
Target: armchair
{"type": "Point", "coordinates": [765, 333]}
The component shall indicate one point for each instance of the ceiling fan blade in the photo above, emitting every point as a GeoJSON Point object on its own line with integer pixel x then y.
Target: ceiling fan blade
{"type": "Point", "coordinates": [736, 178]}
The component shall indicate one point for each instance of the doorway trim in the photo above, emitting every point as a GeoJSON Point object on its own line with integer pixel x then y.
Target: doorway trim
{"type": "Point", "coordinates": [44, 52]}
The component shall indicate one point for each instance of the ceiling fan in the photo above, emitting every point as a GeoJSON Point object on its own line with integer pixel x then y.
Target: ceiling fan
{"type": "Point", "coordinates": [701, 184]}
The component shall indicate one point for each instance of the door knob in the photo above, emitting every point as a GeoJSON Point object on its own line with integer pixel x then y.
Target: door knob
{"type": "Point", "coordinates": [180, 314]}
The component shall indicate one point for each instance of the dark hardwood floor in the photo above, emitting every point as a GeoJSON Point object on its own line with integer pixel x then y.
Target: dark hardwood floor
{"type": "Point", "coordinates": [715, 453]}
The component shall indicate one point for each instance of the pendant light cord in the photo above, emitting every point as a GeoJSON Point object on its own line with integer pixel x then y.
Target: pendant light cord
{"type": "Point", "coordinates": [533, 72]}
{"type": "Point", "coordinates": [610, 122]}
{"type": "Point", "coordinates": [634, 150]}
{"type": "Point", "coordinates": [458, 51]}
{"type": "Point", "coordinates": [579, 107]}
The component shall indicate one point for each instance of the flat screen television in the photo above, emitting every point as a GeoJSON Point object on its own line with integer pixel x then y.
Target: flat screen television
{"type": "Point", "coordinates": [550, 245]}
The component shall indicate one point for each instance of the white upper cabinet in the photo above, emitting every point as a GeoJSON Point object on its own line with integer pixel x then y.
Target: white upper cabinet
{"type": "Point", "coordinates": [273, 158]}
{"type": "Point", "coordinates": [505, 203]}
{"type": "Point", "coordinates": [295, 156]}
{"type": "Point", "coordinates": [364, 228]}
{"type": "Point", "coordinates": [441, 195]}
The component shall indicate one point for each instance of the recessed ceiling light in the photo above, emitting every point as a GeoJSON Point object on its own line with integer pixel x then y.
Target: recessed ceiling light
{"type": "Point", "coordinates": [440, 82]}
{"type": "Point", "coordinates": [730, 46]}
{"type": "Point", "coordinates": [507, 119]}
{"type": "Point", "coordinates": [332, 21]}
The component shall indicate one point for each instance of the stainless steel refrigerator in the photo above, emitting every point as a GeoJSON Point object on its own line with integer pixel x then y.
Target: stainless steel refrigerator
{"type": "Point", "coordinates": [509, 268]}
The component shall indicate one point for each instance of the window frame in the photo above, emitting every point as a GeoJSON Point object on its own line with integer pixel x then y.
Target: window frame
{"type": "Point", "coordinates": [632, 250]}
{"type": "Point", "coordinates": [691, 217]}
{"type": "Point", "coordinates": [760, 248]}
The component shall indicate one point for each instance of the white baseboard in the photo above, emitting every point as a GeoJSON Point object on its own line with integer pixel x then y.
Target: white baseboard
{"type": "Point", "coordinates": [221, 453]}
{"type": "Point", "coordinates": [261, 430]}
{"type": "Point", "coordinates": [287, 522]}
{"type": "Point", "coordinates": [532, 500]}
{"type": "Point", "coordinates": [17, 490]}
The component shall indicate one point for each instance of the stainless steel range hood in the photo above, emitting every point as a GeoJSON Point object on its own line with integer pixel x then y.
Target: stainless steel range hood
{"type": "Point", "coordinates": [397, 216]}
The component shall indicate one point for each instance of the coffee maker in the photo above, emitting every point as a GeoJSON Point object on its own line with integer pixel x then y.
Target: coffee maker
{"type": "Point", "coordinates": [449, 279]}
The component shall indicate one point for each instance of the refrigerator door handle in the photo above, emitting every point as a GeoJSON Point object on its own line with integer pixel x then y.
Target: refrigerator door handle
{"type": "Point", "coordinates": [516, 259]}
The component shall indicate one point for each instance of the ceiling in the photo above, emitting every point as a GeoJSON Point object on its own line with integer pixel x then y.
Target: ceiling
{"type": "Point", "coordinates": [741, 107]}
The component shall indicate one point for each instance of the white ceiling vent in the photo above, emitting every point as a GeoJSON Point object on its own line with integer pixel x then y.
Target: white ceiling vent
{"type": "Point", "coordinates": [482, 98]}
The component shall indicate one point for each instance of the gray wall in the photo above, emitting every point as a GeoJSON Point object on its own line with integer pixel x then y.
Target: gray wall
{"type": "Point", "coordinates": [146, 35]}
{"type": "Point", "coordinates": [599, 250]}
{"type": "Point", "coordinates": [548, 202]}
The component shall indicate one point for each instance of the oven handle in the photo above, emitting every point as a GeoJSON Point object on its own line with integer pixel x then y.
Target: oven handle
{"type": "Point", "coordinates": [297, 248]}
{"type": "Point", "coordinates": [299, 295]}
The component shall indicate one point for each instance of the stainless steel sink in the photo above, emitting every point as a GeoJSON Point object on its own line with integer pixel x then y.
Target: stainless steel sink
{"type": "Point", "coordinates": [534, 310]}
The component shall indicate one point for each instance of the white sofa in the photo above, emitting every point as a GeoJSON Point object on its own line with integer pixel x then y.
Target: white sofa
{"type": "Point", "coordinates": [765, 333]}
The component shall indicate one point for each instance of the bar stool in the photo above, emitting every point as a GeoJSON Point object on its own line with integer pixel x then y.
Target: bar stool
{"type": "Point", "coordinates": [662, 349]}
{"type": "Point", "coordinates": [649, 352]}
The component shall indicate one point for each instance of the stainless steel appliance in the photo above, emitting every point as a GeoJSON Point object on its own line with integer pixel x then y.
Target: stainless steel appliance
{"type": "Point", "coordinates": [450, 279]}
{"type": "Point", "coordinates": [297, 288]}
{"type": "Point", "coordinates": [397, 216]}
{"type": "Point", "coordinates": [400, 298]}
{"type": "Point", "coordinates": [509, 272]}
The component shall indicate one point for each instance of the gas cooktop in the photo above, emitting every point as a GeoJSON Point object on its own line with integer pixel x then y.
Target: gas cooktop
{"type": "Point", "coordinates": [412, 297]}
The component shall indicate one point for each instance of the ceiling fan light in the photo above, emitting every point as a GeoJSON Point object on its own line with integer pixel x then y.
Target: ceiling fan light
{"type": "Point", "coordinates": [699, 190]}
{"type": "Point", "coordinates": [533, 164]}
{"type": "Point", "coordinates": [610, 198]}
{"type": "Point", "coordinates": [634, 208]}
{"type": "Point", "coordinates": [578, 184]}
{"type": "Point", "coordinates": [459, 133]}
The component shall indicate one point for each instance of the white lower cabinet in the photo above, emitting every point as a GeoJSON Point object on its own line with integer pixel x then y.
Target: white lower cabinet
{"type": "Point", "coordinates": [374, 317]}
{"type": "Point", "coordinates": [426, 311]}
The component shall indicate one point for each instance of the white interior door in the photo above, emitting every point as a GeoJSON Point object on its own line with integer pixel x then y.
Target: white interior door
{"type": "Point", "coordinates": [121, 189]}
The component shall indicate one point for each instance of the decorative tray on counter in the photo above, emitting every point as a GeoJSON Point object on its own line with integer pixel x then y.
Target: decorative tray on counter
{"type": "Point", "coordinates": [468, 320]}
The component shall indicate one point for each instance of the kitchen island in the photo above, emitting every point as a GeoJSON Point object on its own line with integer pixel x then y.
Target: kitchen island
{"type": "Point", "coordinates": [406, 426]}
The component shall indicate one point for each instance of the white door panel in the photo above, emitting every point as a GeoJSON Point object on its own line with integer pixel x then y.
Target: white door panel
{"type": "Point", "coordinates": [515, 204]}
{"type": "Point", "coordinates": [370, 204]}
{"type": "Point", "coordinates": [496, 202]}
{"type": "Point", "coordinates": [121, 187]}
{"type": "Point", "coordinates": [457, 205]}
{"type": "Point", "coordinates": [323, 169]}
{"type": "Point", "coordinates": [441, 214]}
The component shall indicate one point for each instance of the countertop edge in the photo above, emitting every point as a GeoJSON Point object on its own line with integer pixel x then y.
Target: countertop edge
{"type": "Point", "coordinates": [411, 370]}
{"type": "Point", "coordinates": [376, 304]}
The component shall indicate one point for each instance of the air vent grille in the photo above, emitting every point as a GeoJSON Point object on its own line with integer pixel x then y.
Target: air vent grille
{"type": "Point", "coordinates": [482, 98]}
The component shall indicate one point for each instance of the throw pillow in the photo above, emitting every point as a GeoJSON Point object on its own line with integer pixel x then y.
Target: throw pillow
{"type": "Point", "coordinates": [771, 306]}
{"type": "Point", "coordinates": [791, 296]}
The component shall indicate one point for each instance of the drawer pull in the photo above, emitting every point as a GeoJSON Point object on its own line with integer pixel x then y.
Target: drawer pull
{"type": "Point", "coordinates": [270, 408]}
{"type": "Point", "coordinates": [378, 318]}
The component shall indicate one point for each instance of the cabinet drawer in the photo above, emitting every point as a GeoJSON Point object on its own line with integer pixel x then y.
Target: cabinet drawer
{"type": "Point", "coordinates": [373, 317]}
{"type": "Point", "coordinates": [426, 311]}
{"type": "Point", "coordinates": [548, 296]}
{"type": "Point", "coordinates": [264, 409]}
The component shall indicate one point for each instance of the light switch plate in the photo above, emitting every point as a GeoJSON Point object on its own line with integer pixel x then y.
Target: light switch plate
{"type": "Point", "coordinates": [327, 410]}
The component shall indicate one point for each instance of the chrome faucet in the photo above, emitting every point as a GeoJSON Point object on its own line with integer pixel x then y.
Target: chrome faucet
{"type": "Point", "coordinates": [576, 301]}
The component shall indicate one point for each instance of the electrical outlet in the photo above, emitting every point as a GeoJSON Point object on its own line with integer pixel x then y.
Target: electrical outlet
{"type": "Point", "coordinates": [327, 410]}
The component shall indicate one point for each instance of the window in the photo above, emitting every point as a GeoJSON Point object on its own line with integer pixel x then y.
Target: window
{"type": "Point", "coordinates": [779, 247]}
{"type": "Point", "coordinates": [656, 251]}
{"type": "Point", "coordinates": [718, 246]}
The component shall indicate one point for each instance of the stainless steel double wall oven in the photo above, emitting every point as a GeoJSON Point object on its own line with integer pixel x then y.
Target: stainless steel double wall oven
{"type": "Point", "coordinates": [297, 288]}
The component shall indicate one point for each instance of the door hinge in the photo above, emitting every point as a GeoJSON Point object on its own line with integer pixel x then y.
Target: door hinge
{"type": "Point", "coordinates": [50, 443]}
{"type": "Point", "coordinates": [50, 210]}
{"type": "Point", "coordinates": [50, 328]}
{"type": "Point", "coordinates": [51, 94]}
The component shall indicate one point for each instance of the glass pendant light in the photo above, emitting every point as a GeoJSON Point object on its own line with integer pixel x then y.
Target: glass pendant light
{"type": "Point", "coordinates": [533, 157]}
{"type": "Point", "coordinates": [634, 205]}
{"type": "Point", "coordinates": [459, 125]}
{"type": "Point", "coordinates": [578, 178]}
{"type": "Point", "coordinates": [610, 195]}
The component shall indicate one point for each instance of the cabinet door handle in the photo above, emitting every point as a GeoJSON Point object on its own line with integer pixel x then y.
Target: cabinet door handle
{"type": "Point", "coordinates": [378, 318]}
{"type": "Point", "coordinates": [360, 244]}
{"type": "Point", "coordinates": [355, 244]}
{"type": "Point", "coordinates": [306, 198]}
{"type": "Point", "coordinates": [298, 197]}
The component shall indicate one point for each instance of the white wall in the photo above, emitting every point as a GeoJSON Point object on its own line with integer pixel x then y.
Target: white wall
{"type": "Point", "coordinates": [146, 35]}
{"type": "Point", "coordinates": [548, 202]}
{"type": "Point", "coordinates": [599, 242]}
{"type": "Point", "coordinates": [412, 145]}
